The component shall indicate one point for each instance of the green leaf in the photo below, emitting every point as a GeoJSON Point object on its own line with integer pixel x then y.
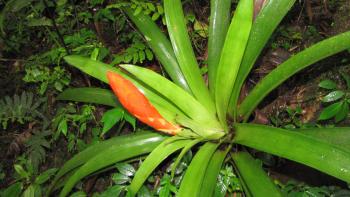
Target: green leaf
{"type": "Point", "coordinates": [184, 101]}
{"type": "Point", "coordinates": [294, 64]}
{"type": "Point", "coordinates": [90, 95]}
{"type": "Point", "coordinates": [343, 112]}
{"type": "Point", "coordinates": [84, 156]}
{"type": "Point", "coordinates": [14, 190]}
{"type": "Point", "coordinates": [126, 169]}
{"type": "Point", "coordinates": [21, 172]}
{"type": "Point", "coordinates": [253, 176]}
{"type": "Point", "coordinates": [29, 192]}
{"type": "Point", "coordinates": [45, 176]}
{"type": "Point", "coordinates": [333, 96]}
{"type": "Point", "coordinates": [194, 176]}
{"type": "Point", "coordinates": [160, 45]}
{"type": "Point", "coordinates": [231, 56]}
{"type": "Point", "coordinates": [63, 127]}
{"type": "Point", "coordinates": [110, 118]}
{"type": "Point", "coordinates": [212, 172]}
{"type": "Point", "coordinates": [338, 136]}
{"type": "Point", "coordinates": [263, 27]}
{"type": "Point", "coordinates": [346, 77]}
{"type": "Point", "coordinates": [330, 111]}
{"type": "Point", "coordinates": [327, 84]}
{"type": "Point", "coordinates": [219, 23]}
{"type": "Point", "coordinates": [99, 71]}
{"type": "Point", "coordinates": [159, 154]}
{"type": "Point", "coordinates": [120, 179]}
{"type": "Point", "coordinates": [112, 154]}
{"type": "Point", "coordinates": [184, 53]}
{"type": "Point", "coordinates": [321, 155]}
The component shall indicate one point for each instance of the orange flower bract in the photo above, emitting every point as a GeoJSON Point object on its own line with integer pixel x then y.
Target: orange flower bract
{"type": "Point", "coordinates": [138, 105]}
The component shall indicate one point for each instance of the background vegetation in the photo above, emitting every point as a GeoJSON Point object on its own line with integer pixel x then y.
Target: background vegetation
{"type": "Point", "coordinates": [39, 132]}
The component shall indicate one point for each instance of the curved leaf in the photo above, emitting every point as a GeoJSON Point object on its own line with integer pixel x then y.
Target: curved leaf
{"type": "Point", "coordinates": [231, 56]}
{"type": "Point", "coordinates": [160, 45]}
{"type": "Point", "coordinates": [293, 65]}
{"type": "Point", "coordinates": [114, 153]}
{"type": "Point", "coordinates": [159, 154]}
{"type": "Point", "coordinates": [184, 53]}
{"type": "Point", "coordinates": [255, 179]}
{"type": "Point", "coordinates": [338, 136]}
{"type": "Point", "coordinates": [212, 172]}
{"type": "Point", "coordinates": [321, 155]}
{"type": "Point", "coordinates": [99, 71]}
{"type": "Point", "coordinates": [184, 101]}
{"type": "Point", "coordinates": [192, 181]}
{"type": "Point", "coordinates": [263, 27]}
{"type": "Point", "coordinates": [219, 23]}
{"type": "Point", "coordinates": [89, 95]}
{"type": "Point", "coordinates": [82, 157]}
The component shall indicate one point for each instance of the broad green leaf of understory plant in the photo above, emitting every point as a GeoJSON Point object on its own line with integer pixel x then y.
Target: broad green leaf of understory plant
{"type": "Point", "coordinates": [219, 23]}
{"type": "Point", "coordinates": [192, 181]}
{"type": "Point", "coordinates": [255, 180]}
{"type": "Point", "coordinates": [319, 154]}
{"type": "Point", "coordinates": [99, 71]}
{"type": "Point", "coordinates": [184, 53]}
{"type": "Point", "coordinates": [328, 84]}
{"type": "Point", "coordinates": [160, 45]}
{"type": "Point", "coordinates": [294, 64]}
{"type": "Point", "coordinates": [263, 27]}
{"type": "Point", "coordinates": [159, 154]}
{"type": "Point", "coordinates": [90, 95]}
{"type": "Point", "coordinates": [184, 101]}
{"type": "Point", "coordinates": [231, 56]}
{"type": "Point", "coordinates": [99, 156]}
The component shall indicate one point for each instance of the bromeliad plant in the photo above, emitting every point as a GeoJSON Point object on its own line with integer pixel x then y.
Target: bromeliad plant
{"type": "Point", "coordinates": [208, 118]}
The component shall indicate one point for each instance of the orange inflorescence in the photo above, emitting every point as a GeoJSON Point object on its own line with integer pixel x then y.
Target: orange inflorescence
{"type": "Point", "coordinates": [138, 105]}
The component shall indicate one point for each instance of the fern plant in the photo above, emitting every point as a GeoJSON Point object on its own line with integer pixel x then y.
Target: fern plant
{"type": "Point", "coordinates": [208, 118]}
{"type": "Point", "coordinates": [19, 109]}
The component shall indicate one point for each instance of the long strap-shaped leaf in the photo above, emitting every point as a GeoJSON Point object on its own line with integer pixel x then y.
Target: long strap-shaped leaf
{"type": "Point", "coordinates": [339, 136]}
{"type": "Point", "coordinates": [160, 45]}
{"type": "Point", "coordinates": [184, 53]}
{"type": "Point", "coordinates": [293, 65]}
{"type": "Point", "coordinates": [212, 172]}
{"type": "Point", "coordinates": [192, 181]}
{"type": "Point", "coordinates": [84, 156]}
{"type": "Point", "coordinates": [99, 71]}
{"type": "Point", "coordinates": [114, 153]}
{"type": "Point", "coordinates": [231, 56]}
{"type": "Point", "coordinates": [90, 95]}
{"type": "Point", "coordinates": [263, 27]}
{"type": "Point", "coordinates": [187, 103]}
{"type": "Point", "coordinates": [298, 147]}
{"type": "Point", "coordinates": [256, 181]}
{"type": "Point", "coordinates": [219, 23]}
{"type": "Point", "coordinates": [159, 154]}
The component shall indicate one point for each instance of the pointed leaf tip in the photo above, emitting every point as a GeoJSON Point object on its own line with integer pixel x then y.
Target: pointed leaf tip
{"type": "Point", "coordinates": [138, 105]}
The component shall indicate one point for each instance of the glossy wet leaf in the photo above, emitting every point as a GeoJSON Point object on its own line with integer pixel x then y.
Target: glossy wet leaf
{"type": "Point", "coordinates": [219, 23]}
{"type": "Point", "coordinates": [293, 65]}
{"type": "Point", "coordinates": [231, 56]}
{"type": "Point", "coordinates": [330, 111]}
{"type": "Point", "coordinates": [327, 84]}
{"type": "Point", "coordinates": [119, 178]}
{"type": "Point", "coordinates": [126, 169]}
{"type": "Point", "coordinates": [110, 118]}
{"type": "Point", "coordinates": [264, 25]}
{"type": "Point", "coordinates": [322, 155]}
{"type": "Point", "coordinates": [333, 96]}
{"type": "Point", "coordinates": [343, 112]}
{"type": "Point", "coordinates": [184, 53]}
{"type": "Point", "coordinates": [159, 154]}
{"type": "Point", "coordinates": [160, 45]}
{"type": "Point", "coordinates": [192, 181]}
{"type": "Point", "coordinates": [89, 95]}
{"type": "Point", "coordinates": [256, 181]}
